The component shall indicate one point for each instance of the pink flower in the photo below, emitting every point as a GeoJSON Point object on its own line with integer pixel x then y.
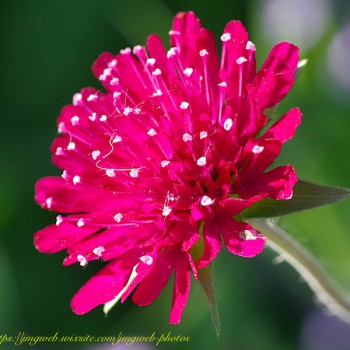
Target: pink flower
{"type": "Point", "coordinates": [156, 170]}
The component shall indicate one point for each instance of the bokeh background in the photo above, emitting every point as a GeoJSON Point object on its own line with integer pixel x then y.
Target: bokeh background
{"type": "Point", "coordinates": [47, 48]}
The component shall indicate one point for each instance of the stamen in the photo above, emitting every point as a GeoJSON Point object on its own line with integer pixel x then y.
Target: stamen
{"type": "Point", "coordinates": [247, 235]}
{"type": "Point", "coordinates": [257, 149]}
{"type": "Point", "coordinates": [187, 137]}
{"type": "Point", "coordinates": [184, 105]}
{"type": "Point", "coordinates": [152, 132]}
{"type": "Point", "coordinates": [59, 220]}
{"type": "Point", "coordinates": [118, 217]}
{"type": "Point", "coordinates": [80, 222]}
{"type": "Point", "coordinates": [82, 260]}
{"type": "Point", "coordinates": [75, 120]}
{"type": "Point", "coordinates": [71, 146]}
{"type": "Point", "coordinates": [134, 173]}
{"type": "Point", "coordinates": [110, 172]}
{"type": "Point", "coordinates": [203, 135]}
{"type": "Point", "coordinates": [95, 154]}
{"type": "Point", "coordinates": [166, 211]}
{"type": "Point", "coordinates": [202, 161]}
{"type": "Point", "coordinates": [147, 259]}
{"type": "Point", "coordinates": [228, 124]}
{"type": "Point", "coordinates": [206, 201]}
{"type": "Point", "coordinates": [225, 37]}
{"type": "Point", "coordinates": [48, 202]}
{"type": "Point", "coordinates": [98, 251]}
{"type": "Point", "coordinates": [76, 179]}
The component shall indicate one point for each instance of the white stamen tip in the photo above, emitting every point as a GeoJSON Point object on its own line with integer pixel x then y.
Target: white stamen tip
{"type": "Point", "coordinates": [151, 132]}
{"type": "Point", "coordinates": [125, 51]}
{"type": "Point", "coordinates": [118, 217]}
{"type": "Point", "coordinates": [228, 124]}
{"type": "Point", "coordinates": [59, 220]}
{"type": "Point", "coordinates": [91, 97]}
{"type": "Point", "coordinates": [202, 161]}
{"type": "Point", "coordinates": [134, 172]}
{"type": "Point", "coordinates": [158, 92]}
{"type": "Point", "coordinates": [250, 46]}
{"type": "Point", "coordinates": [136, 49]}
{"type": "Point", "coordinates": [151, 61]}
{"type": "Point", "coordinates": [75, 120]}
{"type": "Point", "coordinates": [156, 72]}
{"type": "Point", "coordinates": [147, 259]}
{"type": "Point", "coordinates": [127, 110]}
{"type": "Point", "coordinates": [241, 60]}
{"type": "Point", "coordinates": [103, 118]}
{"type": "Point", "coordinates": [172, 52]}
{"type": "Point", "coordinates": [184, 105]}
{"type": "Point", "coordinates": [164, 163]}
{"type": "Point", "coordinates": [203, 53]}
{"type": "Point", "coordinates": [82, 260]}
{"type": "Point", "coordinates": [223, 84]}
{"type": "Point", "coordinates": [48, 202]}
{"type": "Point", "coordinates": [107, 71]}
{"type": "Point", "coordinates": [205, 201]}
{"type": "Point", "coordinates": [247, 235]}
{"type": "Point", "coordinates": [114, 81]}
{"type": "Point", "coordinates": [92, 117]}
{"type": "Point", "coordinates": [61, 127]}
{"type": "Point", "coordinates": [59, 151]}
{"type": "Point", "coordinates": [257, 149]}
{"type": "Point", "coordinates": [80, 222]}
{"type": "Point", "coordinates": [302, 63]}
{"type": "Point", "coordinates": [116, 94]}
{"type": "Point", "coordinates": [187, 137]}
{"type": "Point", "coordinates": [203, 135]}
{"type": "Point", "coordinates": [64, 175]}
{"type": "Point", "coordinates": [110, 172]}
{"type": "Point", "coordinates": [77, 98]}
{"type": "Point", "coordinates": [76, 179]}
{"type": "Point", "coordinates": [188, 71]}
{"type": "Point", "coordinates": [71, 146]}
{"type": "Point", "coordinates": [95, 154]}
{"type": "Point", "coordinates": [225, 37]}
{"type": "Point", "coordinates": [98, 251]}
{"type": "Point", "coordinates": [112, 64]}
{"type": "Point", "coordinates": [116, 139]}
{"type": "Point", "coordinates": [166, 211]}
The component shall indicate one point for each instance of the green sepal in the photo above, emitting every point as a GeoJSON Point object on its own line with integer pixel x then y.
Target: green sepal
{"type": "Point", "coordinates": [205, 278]}
{"type": "Point", "coordinates": [306, 195]}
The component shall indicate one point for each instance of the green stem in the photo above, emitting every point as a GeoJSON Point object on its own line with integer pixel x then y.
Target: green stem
{"type": "Point", "coordinates": [308, 267]}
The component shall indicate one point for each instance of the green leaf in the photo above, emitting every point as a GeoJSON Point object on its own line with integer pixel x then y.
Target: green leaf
{"type": "Point", "coordinates": [307, 195]}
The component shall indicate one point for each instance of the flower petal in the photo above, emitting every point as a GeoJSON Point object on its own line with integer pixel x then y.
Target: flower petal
{"type": "Point", "coordinates": [284, 129]}
{"type": "Point", "coordinates": [242, 240]}
{"type": "Point", "coordinates": [181, 290]}
{"type": "Point", "coordinates": [105, 285]}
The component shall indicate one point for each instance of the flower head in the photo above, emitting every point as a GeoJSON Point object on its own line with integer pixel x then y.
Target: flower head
{"type": "Point", "coordinates": [157, 169]}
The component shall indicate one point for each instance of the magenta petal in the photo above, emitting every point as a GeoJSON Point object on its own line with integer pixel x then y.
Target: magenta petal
{"type": "Point", "coordinates": [241, 239]}
{"type": "Point", "coordinates": [284, 129]}
{"type": "Point", "coordinates": [181, 290]}
{"type": "Point", "coordinates": [277, 183]}
{"type": "Point", "coordinates": [105, 285]}
{"type": "Point", "coordinates": [155, 281]}
{"type": "Point", "coordinates": [283, 57]}
{"type": "Point", "coordinates": [55, 238]}
{"type": "Point", "coordinates": [212, 243]}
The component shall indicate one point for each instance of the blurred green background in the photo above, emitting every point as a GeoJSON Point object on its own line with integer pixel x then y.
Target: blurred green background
{"type": "Point", "coordinates": [47, 48]}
